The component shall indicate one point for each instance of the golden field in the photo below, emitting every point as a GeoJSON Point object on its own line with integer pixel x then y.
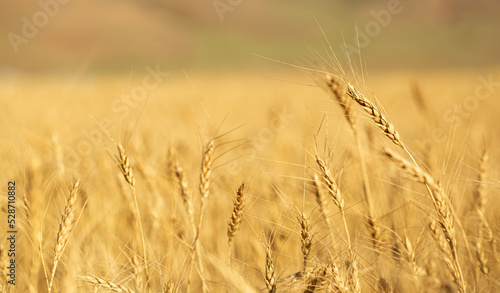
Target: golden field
{"type": "Point", "coordinates": [322, 209]}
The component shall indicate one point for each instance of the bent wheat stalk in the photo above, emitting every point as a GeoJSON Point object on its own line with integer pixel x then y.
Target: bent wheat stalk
{"type": "Point", "coordinates": [335, 89]}
{"type": "Point", "coordinates": [440, 201]}
{"type": "Point", "coordinates": [390, 131]}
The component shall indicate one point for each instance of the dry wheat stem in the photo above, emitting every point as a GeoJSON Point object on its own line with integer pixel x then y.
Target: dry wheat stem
{"type": "Point", "coordinates": [126, 168]}
{"type": "Point", "coordinates": [372, 222]}
{"type": "Point", "coordinates": [336, 90]}
{"type": "Point", "coordinates": [206, 171]}
{"type": "Point", "coordinates": [65, 228]}
{"type": "Point", "coordinates": [446, 218]}
{"type": "Point", "coordinates": [105, 284]}
{"type": "Point", "coordinates": [485, 232]}
{"type": "Point", "coordinates": [336, 196]}
{"type": "Point", "coordinates": [390, 131]}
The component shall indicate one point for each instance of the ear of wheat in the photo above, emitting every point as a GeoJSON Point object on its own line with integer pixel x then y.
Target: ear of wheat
{"type": "Point", "coordinates": [124, 164]}
{"type": "Point", "coordinates": [65, 229]}
{"type": "Point", "coordinates": [269, 272]}
{"type": "Point", "coordinates": [206, 170]}
{"type": "Point", "coordinates": [236, 216]}
{"type": "Point", "coordinates": [126, 169]}
{"type": "Point", "coordinates": [442, 206]}
{"type": "Point", "coordinates": [338, 93]}
{"type": "Point", "coordinates": [185, 193]}
{"type": "Point", "coordinates": [338, 200]}
{"type": "Point", "coordinates": [380, 120]}
{"type": "Point", "coordinates": [485, 232]}
{"type": "Point", "coordinates": [335, 89]}
{"type": "Point", "coordinates": [305, 238]}
{"type": "Point", "coordinates": [106, 284]}
{"type": "Point", "coordinates": [331, 184]}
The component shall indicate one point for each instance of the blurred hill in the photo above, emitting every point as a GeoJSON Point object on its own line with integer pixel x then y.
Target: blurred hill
{"type": "Point", "coordinates": [114, 35]}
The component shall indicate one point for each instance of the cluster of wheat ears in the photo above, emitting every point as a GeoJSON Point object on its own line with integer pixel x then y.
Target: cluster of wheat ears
{"type": "Point", "coordinates": [168, 237]}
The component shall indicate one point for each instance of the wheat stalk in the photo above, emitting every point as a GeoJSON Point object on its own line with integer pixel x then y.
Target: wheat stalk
{"type": "Point", "coordinates": [446, 255]}
{"type": "Point", "coordinates": [206, 171]}
{"type": "Point", "coordinates": [319, 199]}
{"type": "Point", "coordinates": [185, 194]}
{"type": "Point", "coordinates": [106, 284]}
{"type": "Point", "coordinates": [305, 238]}
{"type": "Point", "coordinates": [442, 206]}
{"type": "Point", "coordinates": [236, 216]}
{"type": "Point", "coordinates": [340, 95]}
{"type": "Point", "coordinates": [336, 195]}
{"type": "Point", "coordinates": [65, 228]}
{"type": "Point", "coordinates": [353, 274]}
{"type": "Point", "coordinates": [124, 164]}
{"type": "Point", "coordinates": [410, 258]}
{"type": "Point", "coordinates": [380, 120]}
{"type": "Point", "coordinates": [332, 186]}
{"type": "Point", "coordinates": [269, 272]}
{"type": "Point", "coordinates": [137, 272]}
{"type": "Point", "coordinates": [169, 287]}
{"type": "Point", "coordinates": [485, 232]}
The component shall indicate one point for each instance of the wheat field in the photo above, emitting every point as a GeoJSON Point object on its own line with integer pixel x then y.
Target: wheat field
{"type": "Point", "coordinates": [266, 181]}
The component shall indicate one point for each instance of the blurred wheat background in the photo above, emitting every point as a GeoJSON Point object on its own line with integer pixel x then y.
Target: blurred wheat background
{"type": "Point", "coordinates": [235, 146]}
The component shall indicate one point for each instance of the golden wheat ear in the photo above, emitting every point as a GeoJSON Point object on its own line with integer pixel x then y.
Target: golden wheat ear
{"type": "Point", "coordinates": [125, 168]}
{"type": "Point", "coordinates": [380, 119]}
{"type": "Point", "coordinates": [236, 216]}
{"type": "Point", "coordinates": [445, 217]}
{"type": "Point", "coordinates": [106, 284]}
{"type": "Point", "coordinates": [65, 229]}
{"type": "Point", "coordinates": [269, 272]}
{"type": "Point", "coordinates": [306, 238]}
